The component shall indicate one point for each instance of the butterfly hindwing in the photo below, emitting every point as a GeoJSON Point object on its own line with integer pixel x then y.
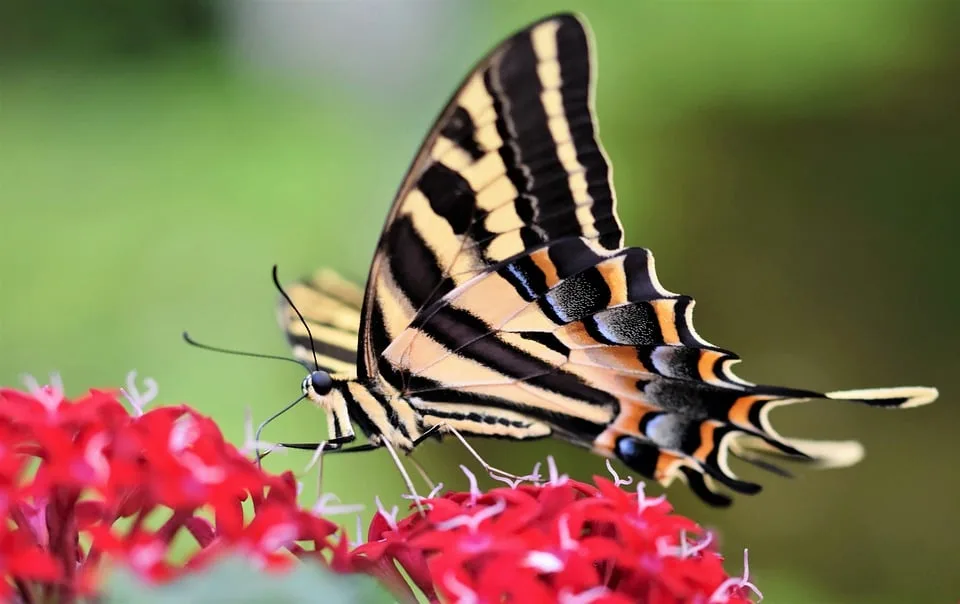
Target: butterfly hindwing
{"type": "Point", "coordinates": [587, 341]}
{"type": "Point", "coordinates": [330, 305]}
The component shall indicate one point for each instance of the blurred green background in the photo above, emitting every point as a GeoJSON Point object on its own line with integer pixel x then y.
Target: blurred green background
{"type": "Point", "coordinates": [793, 165]}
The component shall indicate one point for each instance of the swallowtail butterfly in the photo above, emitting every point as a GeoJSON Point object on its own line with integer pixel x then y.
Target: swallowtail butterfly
{"type": "Point", "coordinates": [501, 301]}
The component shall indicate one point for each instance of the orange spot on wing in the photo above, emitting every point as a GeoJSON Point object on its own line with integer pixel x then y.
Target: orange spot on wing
{"type": "Point", "coordinates": [708, 359]}
{"type": "Point", "coordinates": [574, 335]}
{"type": "Point", "coordinates": [612, 272]}
{"type": "Point", "coordinates": [707, 440]}
{"type": "Point", "coordinates": [614, 357]}
{"type": "Point", "coordinates": [627, 423]}
{"type": "Point", "coordinates": [546, 266]}
{"type": "Point", "coordinates": [666, 316]}
{"type": "Point", "coordinates": [740, 411]}
{"type": "Point", "coordinates": [667, 465]}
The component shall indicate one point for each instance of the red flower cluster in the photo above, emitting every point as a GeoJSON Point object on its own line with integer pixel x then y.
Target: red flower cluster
{"type": "Point", "coordinates": [70, 471]}
{"type": "Point", "coordinates": [558, 541]}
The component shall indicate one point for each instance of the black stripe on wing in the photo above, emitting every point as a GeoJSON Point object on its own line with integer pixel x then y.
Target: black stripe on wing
{"type": "Point", "coordinates": [512, 163]}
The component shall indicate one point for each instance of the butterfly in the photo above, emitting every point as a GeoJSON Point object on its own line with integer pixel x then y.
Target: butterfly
{"type": "Point", "coordinates": [501, 301]}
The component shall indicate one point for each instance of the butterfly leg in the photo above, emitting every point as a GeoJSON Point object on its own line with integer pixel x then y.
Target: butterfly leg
{"type": "Point", "coordinates": [403, 473]}
{"type": "Point", "coordinates": [421, 471]}
{"type": "Point", "coordinates": [336, 446]}
{"type": "Point", "coordinates": [491, 470]}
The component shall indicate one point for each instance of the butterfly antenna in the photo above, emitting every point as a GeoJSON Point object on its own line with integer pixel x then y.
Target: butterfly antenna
{"type": "Point", "coordinates": [189, 340]}
{"type": "Point", "coordinates": [313, 348]}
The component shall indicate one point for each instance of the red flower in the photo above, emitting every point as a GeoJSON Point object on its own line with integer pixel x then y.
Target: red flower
{"type": "Point", "coordinates": [69, 470]}
{"type": "Point", "coordinates": [560, 540]}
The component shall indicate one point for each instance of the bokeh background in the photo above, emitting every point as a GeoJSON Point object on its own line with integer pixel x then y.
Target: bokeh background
{"type": "Point", "coordinates": [793, 165]}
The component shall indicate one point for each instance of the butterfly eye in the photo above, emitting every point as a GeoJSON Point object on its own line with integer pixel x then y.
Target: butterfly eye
{"type": "Point", "coordinates": [319, 382]}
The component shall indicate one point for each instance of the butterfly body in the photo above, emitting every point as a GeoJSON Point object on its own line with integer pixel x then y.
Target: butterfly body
{"type": "Point", "coordinates": [501, 301]}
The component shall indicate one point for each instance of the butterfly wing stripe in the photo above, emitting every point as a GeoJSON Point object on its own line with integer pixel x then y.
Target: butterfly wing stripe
{"type": "Point", "coordinates": [678, 440]}
{"type": "Point", "coordinates": [501, 302]}
{"type": "Point", "coordinates": [455, 329]}
{"type": "Point", "coordinates": [471, 427]}
{"type": "Point", "coordinates": [461, 131]}
{"type": "Point", "coordinates": [320, 307]}
{"type": "Point", "coordinates": [330, 340]}
{"type": "Point", "coordinates": [326, 363]}
{"type": "Point", "coordinates": [515, 147]}
{"type": "Point", "coordinates": [575, 73]}
{"type": "Point", "coordinates": [393, 418]}
{"type": "Point", "coordinates": [501, 297]}
{"type": "Point", "coordinates": [345, 353]}
{"type": "Point", "coordinates": [710, 366]}
{"type": "Point", "coordinates": [332, 284]}
{"type": "Point", "coordinates": [702, 486]}
{"type": "Point", "coordinates": [481, 420]}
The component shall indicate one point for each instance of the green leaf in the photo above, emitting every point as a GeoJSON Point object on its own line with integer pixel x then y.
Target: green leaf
{"type": "Point", "coordinates": [235, 580]}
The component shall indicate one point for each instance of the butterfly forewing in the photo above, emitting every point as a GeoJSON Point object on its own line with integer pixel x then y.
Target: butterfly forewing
{"type": "Point", "coordinates": [501, 302]}
{"type": "Point", "coordinates": [512, 163]}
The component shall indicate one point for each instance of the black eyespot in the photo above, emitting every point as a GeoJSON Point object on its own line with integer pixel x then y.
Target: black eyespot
{"type": "Point", "coordinates": [321, 382]}
{"type": "Point", "coordinates": [641, 457]}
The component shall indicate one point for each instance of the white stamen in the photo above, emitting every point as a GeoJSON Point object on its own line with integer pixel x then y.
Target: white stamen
{"type": "Point", "coordinates": [701, 545]}
{"type": "Point", "coordinates": [665, 548]}
{"type": "Point", "coordinates": [419, 499]}
{"type": "Point", "coordinates": [132, 393]}
{"type": "Point", "coordinates": [462, 593]}
{"type": "Point", "coordinates": [93, 455]}
{"type": "Point", "coordinates": [323, 507]}
{"type": "Point", "coordinates": [534, 476]}
{"type": "Point", "coordinates": [391, 516]}
{"type": "Point", "coordinates": [508, 481]}
{"type": "Point", "coordinates": [475, 492]}
{"type": "Point", "coordinates": [183, 433]}
{"type": "Point", "coordinates": [556, 478]}
{"type": "Point", "coordinates": [472, 522]}
{"type": "Point", "coordinates": [643, 502]}
{"type": "Point", "coordinates": [51, 395]}
{"type": "Point", "coordinates": [584, 597]}
{"type": "Point", "coordinates": [685, 549]}
{"type": "Point", "coordinates": [359, 540]}
{"type": "Point", "coordinates": [722, 594]}
{"type": "Point", "coordinates": [617, 481]}
{"type": "Point", "coordinates": [201, 471]}
{"type": "Point", "coordinates": [513, 483]}
{"type": "Point", "coordinates": [567, 542]}
{"type": "Point", "coordinates": [317, 454]}
{"type": "Point", "coordinates": [544, 562]}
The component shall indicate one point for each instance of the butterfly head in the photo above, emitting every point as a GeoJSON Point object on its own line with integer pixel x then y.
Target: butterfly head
{"type": "Point", "coordinates": [317, 385]}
